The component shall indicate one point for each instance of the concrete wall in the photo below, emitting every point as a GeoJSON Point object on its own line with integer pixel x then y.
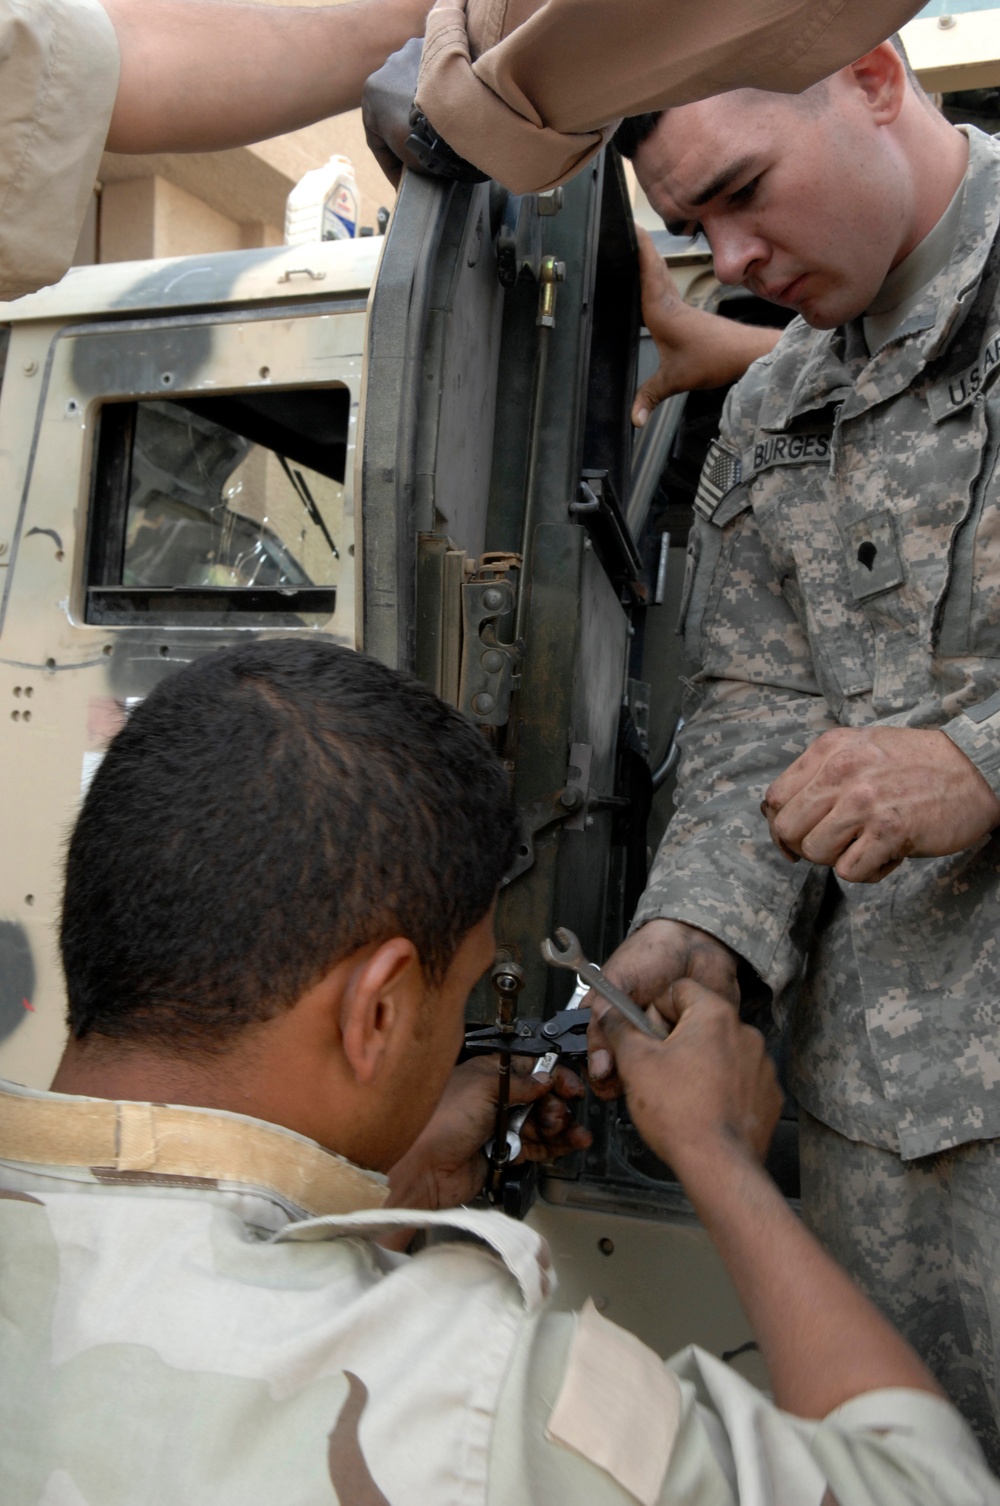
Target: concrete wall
{"type": "Point", "coordinates": [178, 205]}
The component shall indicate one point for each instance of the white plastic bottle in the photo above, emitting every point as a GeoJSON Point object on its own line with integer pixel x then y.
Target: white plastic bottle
{"type": "Point", "coordinates": [323, 205]}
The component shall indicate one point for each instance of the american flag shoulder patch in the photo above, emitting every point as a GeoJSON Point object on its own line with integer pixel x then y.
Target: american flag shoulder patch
{"type": "Point", "coordinates": [721, 472]}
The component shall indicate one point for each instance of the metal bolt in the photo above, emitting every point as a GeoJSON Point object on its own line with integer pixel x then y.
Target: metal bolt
{"type": "Point", "coordinates": [483, 703]}
{"type": "Point", "coordinates": [30, 367]}
{"type": "Point", "coordinates": [492, 661]}
{"type": "Point", "coordinates": [945, 23]}
{"type": "Point", "coordinates": [571, 799]}
{"type": "Point", "coordinates": [493, 598]}
{"type": "Point", "coordinates": [550, 202]}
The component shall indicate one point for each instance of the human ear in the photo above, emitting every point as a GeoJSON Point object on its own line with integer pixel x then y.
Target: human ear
{"type": "Point", "coordinates": [378, 1005]}
{"type": "Point", "coordinates": [881, 77]}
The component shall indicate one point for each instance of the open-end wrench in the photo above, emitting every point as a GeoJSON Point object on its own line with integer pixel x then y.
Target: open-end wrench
{"type": "Point", "coordinates": [569, 953]}
{"type": "Point", "coordinates": [515, 1122]}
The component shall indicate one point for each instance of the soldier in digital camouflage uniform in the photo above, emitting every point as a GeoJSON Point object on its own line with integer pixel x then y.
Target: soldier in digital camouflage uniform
{"type": "Point", "coordinates": [844, 573]}
{"type": "Point", "coordinates": [279, 893]}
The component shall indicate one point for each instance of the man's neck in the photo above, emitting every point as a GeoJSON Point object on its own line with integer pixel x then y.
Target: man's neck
{"type": "Point", "coordinates": [904, 287]}
{"type": "Point", "coordinates": [938, 156]}
{"type": "Point", "coordinates": [106, 1068]}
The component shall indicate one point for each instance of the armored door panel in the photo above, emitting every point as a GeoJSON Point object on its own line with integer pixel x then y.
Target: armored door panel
{"type": "Point", "coordinates": [188, 479]}
{"type": "Point", "coordinates": [486, 568]}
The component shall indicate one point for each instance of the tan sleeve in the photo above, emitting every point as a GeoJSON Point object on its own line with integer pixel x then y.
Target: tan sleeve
{"type": "Point", "coordinates": [528, 90]}
{"type": "Point", "coordinates": [58, 79]}
{"type": "Point", "coordinates": [589, 1414]}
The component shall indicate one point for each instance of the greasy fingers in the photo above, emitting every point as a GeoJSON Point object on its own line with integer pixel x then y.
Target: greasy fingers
{"type": "Point", "coordinates": [646, 966]}
{"type": "Point", "coordinates": [710, 1081]}
{"type": "Point", "coordinates": [862, 799]}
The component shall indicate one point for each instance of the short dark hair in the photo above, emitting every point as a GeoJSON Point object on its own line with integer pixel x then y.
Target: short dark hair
{"type": "Point", "coordinates": [634, 130]}
{"type": "Point", "coordinates": [265, 812]}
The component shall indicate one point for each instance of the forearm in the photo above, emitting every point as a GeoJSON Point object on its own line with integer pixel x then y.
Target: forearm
{"type": "Point", "coordinates": [202, 75]}
{"type": "Point", "coordinates": [822, 1340]}
{"type": "Point", "coordinates": [741, 345]}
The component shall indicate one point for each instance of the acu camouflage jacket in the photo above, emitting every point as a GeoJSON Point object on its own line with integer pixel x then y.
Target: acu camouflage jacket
{"type": "Point", "coordinates": [844, 569]}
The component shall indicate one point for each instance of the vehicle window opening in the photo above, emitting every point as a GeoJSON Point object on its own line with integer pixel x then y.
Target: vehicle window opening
{"type": "Point", "coordinates": [207, 508]}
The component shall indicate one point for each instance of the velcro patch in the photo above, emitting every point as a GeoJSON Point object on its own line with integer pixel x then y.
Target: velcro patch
{"type": "Point", "coordinates": [872, 556]}
{"type": "Point", "coordinates": [787, 449]}
{"type": "Point", "coordinates": [619, 1406]}
{"type": "Point", "coordinates": [722, 471]}
{"type": "Point", "coordinates": [962, 388]}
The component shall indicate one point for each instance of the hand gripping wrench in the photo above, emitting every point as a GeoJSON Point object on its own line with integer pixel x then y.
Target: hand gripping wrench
{"type": "Point", "coordinates": [569, 953]}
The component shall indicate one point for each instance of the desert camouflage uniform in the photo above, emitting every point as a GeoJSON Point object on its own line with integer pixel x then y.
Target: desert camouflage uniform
{"type": "Point", "coordinates": [192, 1310]}
{"type": "Point", "coordinates": [58, 79]}
{"type": "Point", "coordinates": [845, 570]}
{"type": "Point", "coordinates": [526, 88]}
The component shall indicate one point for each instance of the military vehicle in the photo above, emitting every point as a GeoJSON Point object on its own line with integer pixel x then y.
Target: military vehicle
{"type": "Point", "coordinates": [419, 446]}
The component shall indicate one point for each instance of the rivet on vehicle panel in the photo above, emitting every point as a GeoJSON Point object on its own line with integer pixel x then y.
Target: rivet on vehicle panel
{"type": "Point", "coordinates": [50, 664]}
{"type": "Point", "coordinates": [945, 23]}
{"type": "Point", "coordinates": [166, 380]}
{"type": "Point", "coordinates": [265, 372]}
{"type": "Point", "coordinates": [164, 651]}
{"type": "Point", "coordinates": [492, 661]}
{"type": "Point", "coordinates": [15, 716]}
{"type": "Point", "coordinates": [30, 367]}
{"type": "Point", "coordinates": [106, 651]}
{"type": "Point", "coordinates": [17, 690]}
{"type": "Point", "coordinates": [60, 554]}
{"type": "Point", "coordinates": [606, 1246]}
{"type": "Point", "coordinates": [482, 703]}
{"type": "Point", "coordinates": [72, 406]}
{"type": "Point", "coordinates": [29, 899]}
{"type": "Point", "coordinates": [29, 690]}
{"type": "Point", "coordinates": [26, 716]}
{"type": "Point", "coordinates": [493, 598]}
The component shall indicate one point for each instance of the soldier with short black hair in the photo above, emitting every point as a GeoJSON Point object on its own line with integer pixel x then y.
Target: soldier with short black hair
{"type": "Point", "coordinates": [279, 893]}
{"type": "Point", "coordinates": [840, 614]}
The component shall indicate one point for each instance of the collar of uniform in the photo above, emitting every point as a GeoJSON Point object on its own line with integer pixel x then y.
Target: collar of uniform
{"type": "Point", "coordinates": [834, 365]}
{"type": "Point", "coordinates": [119, 1142]}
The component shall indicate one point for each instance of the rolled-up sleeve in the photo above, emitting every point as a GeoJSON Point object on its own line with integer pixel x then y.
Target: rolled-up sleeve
{"type": "Point", "coordinates": [59, 67]}
{"type": "Point", "coordinates": [529, 90]}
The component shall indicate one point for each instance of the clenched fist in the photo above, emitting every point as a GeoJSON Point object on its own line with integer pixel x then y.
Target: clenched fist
{"type": "Point", "coordinates": [861, 799]}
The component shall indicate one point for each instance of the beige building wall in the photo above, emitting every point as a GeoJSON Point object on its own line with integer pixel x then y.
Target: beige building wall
{"type": "Point", "coordinates": [179, 205]}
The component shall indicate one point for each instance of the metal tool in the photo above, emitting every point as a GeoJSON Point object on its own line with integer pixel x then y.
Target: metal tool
{"type": "Point", "coordinates": [569, 953]}
{"type": "Point", "coordinates": [565, 1032]}
{"type": "Point", "coordinates": [516, 1118]}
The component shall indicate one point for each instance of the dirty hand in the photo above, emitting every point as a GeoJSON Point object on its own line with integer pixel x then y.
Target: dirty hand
{"type": "Point", "coordinates": [398, 135]}
{"type": "Point", "coordinates": [386, 105]}
{"type": "Point", "coordinates": [446, 1165]}
{"type": "Point", "coordinates": [709, 1085]}
{"type": "Point", "coordinates": [696, 349]}
{"type": "Point", "coordinates": [861, 799]}
{"type": "Point", "coordinates": [646, 966]}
